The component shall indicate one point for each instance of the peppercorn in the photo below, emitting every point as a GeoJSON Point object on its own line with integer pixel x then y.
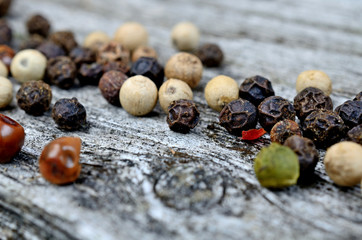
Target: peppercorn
{"type": "Point", "coordinates": [6, 34]}
{"type": "Point", "coordinates": [284, 129]}
{"type": "Point", "coordinates": [61, 72]}
{"type": "Point", "coordinates": [307, 154]}
{"type": "Point", "coordinates": [12, 136]}
{"type": "Point", "coordinates": [3, 70]}
{"type": "Point", "coordinates": [138, 95]}
{"type": "Point", "coordinates": [358, 97]}
{"type": "Point", "coordinates": [4, 7]}
{"type": "Point", "coordinates": [6, 55]}
{"type": "Point", "coordinates": [116, 66]}
{"type": "Point", "coordinates": [33, 42]}
{"type": "Point", "coordinates": [69, 114]}
{"type": "Point", "coordinates": [50, 50]}
{"type": "Point", "coordinates": [237, 116]}
{"type": "Point", "coordinates": [185, 36]}
{"type": "Point", "coordinates": [89, 74]}
{"type": "Point", "coordinates": [38, 24]}
{"type": "Point", "coordinates": [310, 99]}
{"type": "Point", "coordinates": [274, 109]}
{"type": "Point", "coordinates": [110, 84]}
{"type": "Point", "coordinates": [186, 67]}
{"type": "Point", "coordinates": [6, 92]}
{"type": "Point", "coordinates": [131, 35]}
{"type": "Point", "coordinates": [59, 160]}
{"type": "Point", "coordinates": [256, 89]}
{"type": "Point", "coordinates": [351, 113]}
{"type": "Point", "coordinates": [210, 55]}
{"type": "Point", "coordinates": [95, 40]}
{"type": "Point", "coordinates": [355, 134]}
{"type": "Point", "coordinates": [323, 127]}
{"type": "Point", "coordinates": [314, 78]}
{"type": "Point", "coordinates": [276, 166]}
{"type": "Point", "coordinates": [80, 55]}
{"type": "Point", "coordinates": [113, 52]}
{"type": "Point", "coordinates": [28, 65]}
{"type": "Point", "coordinates": [148, 67]}
{"type": "Point", "coordinates": [182, 115]}
{"type": "Point", "coordinates": [65, 39]}
{"type": "Point", "coordinates": [221, 90]}
{"type": "Point", "coordinates": [343, 163]}
{"type": "Point", "coordinates": [172, 90]}
{"type": "Point", "coordinates": [143, 51]}
{"type": "Point", "coordinates": [34, 97]}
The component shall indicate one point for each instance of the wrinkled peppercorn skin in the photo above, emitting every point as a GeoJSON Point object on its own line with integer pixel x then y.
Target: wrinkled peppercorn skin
{"type": "Point", "coordinates": [182, 115]}
{"type": "Point", "coordinates": [6, 55]}
{"type": "Point", "coordinates": [34, 97]}
{"type": "Point", "coordinates": [355, 134]}
{"type": "Point", "coordinates": [33, 42]}
{"type": "Point", "coordinates": [116, 66]}
{"type": "Point", "coordinates": [65, 39]}
{"type": "Point", "coordinates": [59, 160]}
{"type": "Point", "coordinates": [309, 100]}
{"type": "Point", "coordinates": [61, 72]}
{"type": "Point", "coordinates": [238, 115]}
{"type": "Point", "coordinates": [358, 97]}
{"type": "Point", "coordinates": [351, 113]}
{"type": "Point", "coordinates": [110, 85]}
{"type": "Point", "coordinates": [256, 89]}
{"type": "Point", "coordinates": [113, 52]}
{"type": "Point", "coordinates": [148, 67]}
{"type": "Point", "coordinates": [69, 114]}
{"type": "Point", "coordinates": [89, 74]}
{"type": "Point", "coordinates": [80, 55]}
{"type": "Point", "coordinates": [50, 50]}
{"type": "Point", "coordinates": [38, 24]}
{"type": "Point", "coordinates": [323, 127]}
{"type": "Point", "coordinates": [274, 109]}
{"type": "Point", "coordinates": [210, 55]}
{"type": "Point", "coordinates": [6, 34]}
{"type": "Point", "coordinates": [283, 130]}
{"type": "Point", "coordinates": [12, 136]}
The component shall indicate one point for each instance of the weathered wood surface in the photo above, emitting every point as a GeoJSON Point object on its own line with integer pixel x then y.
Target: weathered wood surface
{"type": "Point", "coordinates": [140, 180]}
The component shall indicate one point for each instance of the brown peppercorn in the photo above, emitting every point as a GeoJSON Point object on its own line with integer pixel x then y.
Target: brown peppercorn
{"type": "Point", "coordinates": [148, 67]}
{"type": "Point", "coordinates": [116, 66]}
{"type": "Point", "coordinates": [355, 134]}
{"type": "Point", "coordinates": [323, 127]}
{"type": "Point", "coordinates": [6, 34]}
{"type": "Point", "coordinates": [284, 129]}
{"type": "Point", "coordinates": [50, 50]}
{"type": "Point", "coordinates": [110, 85]}
{"type": "Point", "coordinates": [309, 100]}
{"type": "Point", "coordinates": [89, 74]}
{"type": "Point", "coordinates": [34, 97]}
{"type": "Point", "coordinates": [69, 114]}
{"type": "Point", "coordinates": [59, 160]}
{"type": "Point", "coordinates": [256, 89]}
{"type": "Point", "coordinates": [351, 113]}
{"type": "Point", "coordinates": [4, 7]}
{"type": "Point", "coordinates": [182, 115]}
{"type": "Point", "coordinates": [274, 109]}
{"type": "Point", "coordinates": [113, 52]}
{"type": "Point", "coordinates": [81, 55]}
{"type": "Point", "coordinates": [210, 55]}
{"type": "Point", "coordinates": [238, 115]}
{"type": "Point", "coordinates": [6, 55]}
{"type": "Point", "coordinates": [65, 39]}
{"type": "Point", "coordinates": [61, 72]}
{"type": "Point", "coordinates": [358, 97]}
{"type": "Point", "coordinates": [33, 42]}
{"type": "Point", "coordinates": [307, 154]}
{"type": "Point", "coordinates": [38, 24]}
{"type": "Point", "coordinates": [143, 51]}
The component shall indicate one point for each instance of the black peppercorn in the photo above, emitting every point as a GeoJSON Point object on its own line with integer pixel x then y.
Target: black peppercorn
{"type": "Point", "coordinates": [33, 42]}
{"type": "Point", "coordinates": [256, 89]}
{"type": "Point", "coordinates": [81, 55]}
{"type": "Point", "coordinates": [50, 49]}
{"type": "Point", "coordinates": [309, 100]}
{"type": "Point", "coordinates": [89, 74]}
{"type": "Point", "coordinates": [274, 109]}
{"type": "Point", "coordinates": [116, 66]}
{"type": "Point", "coordinates": [306, 152]}
{"type": "Point", "coordinates": [238, 115]}
{"type": "Point", "coordinates": [4, 7]}
{"type": "Point", "coordinates": [61, 71]}
{"type": "Point", "coordinates": [6, 34]}
{"type": "Point", "coordinates": [182, 115]}
{"type": "Point", "coordinates": [110, 85]}
{"type": "Point", "coordinates": [355, 134]}
{"type": "Point", "coordinates": [284, 129]}
{"type": "Point", "coordinates": [323, 127]}
{"type": "Point", "coordinates": [358, 97]}
{"type": "Point", "coordinates": [69, 114]}
{"type": "Point", "coordinates": [38, 24]}
{"type": "Point", "coordinates": [34, 97]}
{"type": "Point", "coordinates": [113, 52]}
{"type": "Point", "coordinates": [148, 67]}
{"type": "Point", "coordinates": [351, 113]}
{"type": "Point", "coordinates": [65, 39]}
{"type": "Point", "coordinates": [210, 55]}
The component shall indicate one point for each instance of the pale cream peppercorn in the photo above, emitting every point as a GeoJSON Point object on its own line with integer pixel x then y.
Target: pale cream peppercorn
{"type": "Point", "coordinates": [131, 35]}
{"type": "Point", "coordinates": [138, 95]}
{"type": "Point", "coordinates": [314, 78]}
{"type": "Point", "coordinates": [6, 92]}
{"type": "Point", "coordinates": [3, 70]}
{"type": "Point", "coordinates": [172, 90]}
{"type": "Point", "coordinates": [27, 65]}
{"type": "Point", "coordinates": [186, 67]}
{"type": "Point", "coordinates": [185, 36]}
{"type": "Point", "coordinates": [343, 163]}
{"type": "Point", "coordinates": [221, 90]}
{"type": "Point", "coordinates": [143, 51]}
{"type": "Point", "coordinates": [95, 39]}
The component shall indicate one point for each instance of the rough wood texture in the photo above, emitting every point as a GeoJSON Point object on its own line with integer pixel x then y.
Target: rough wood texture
{"type": "Point", "coordinates": [140, 180]}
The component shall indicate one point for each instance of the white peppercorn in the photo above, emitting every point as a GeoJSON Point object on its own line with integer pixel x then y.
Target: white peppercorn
{"type": "Point", "coordinates": [6, 92]}
{"type": "Point", "coordinates": [185, 36]}
{"type": "Point", "coordinates": [314, 78]}
{"type": "Point", "coordinates": [172, 90]}
{"type": "Point", "coordinates": [131, 35]}
{"type": "Point", "coordinates": [3, 70]}
{"type": "Point", "coordinates": [95, 39]}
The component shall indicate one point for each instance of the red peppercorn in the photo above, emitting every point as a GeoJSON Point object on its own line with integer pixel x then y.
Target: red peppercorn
{"type": "Point", "coordinates": [12, 138]}
{"type": "Point", "coordinates": [6, 55]}
{"type": "Point", "coordinates": [59, 160]}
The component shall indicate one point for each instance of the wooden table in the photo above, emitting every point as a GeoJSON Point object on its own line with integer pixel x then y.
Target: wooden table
{"type": "Point", "coordinates": [140, 180]}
